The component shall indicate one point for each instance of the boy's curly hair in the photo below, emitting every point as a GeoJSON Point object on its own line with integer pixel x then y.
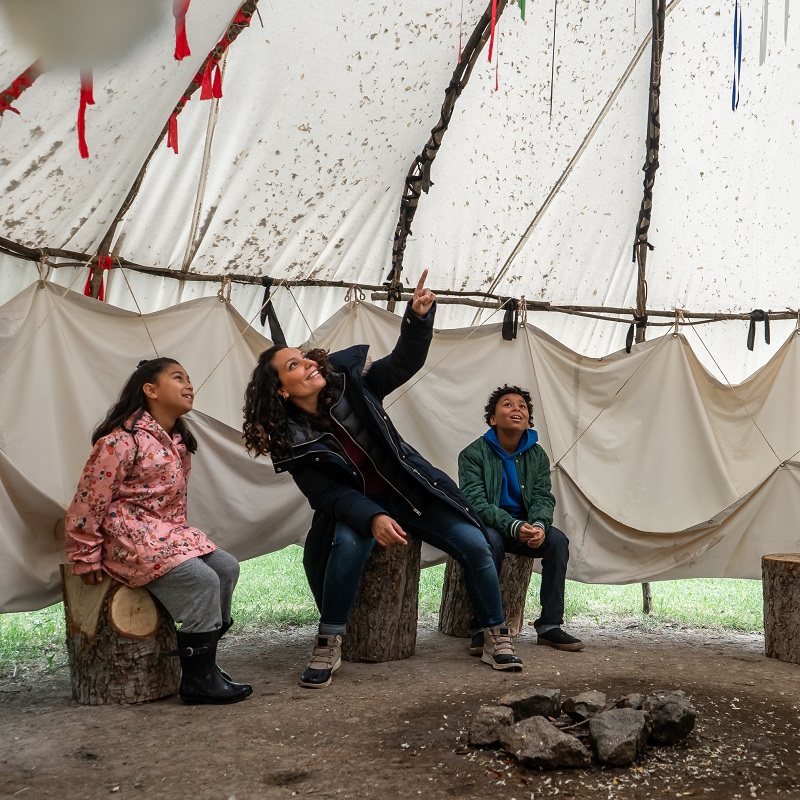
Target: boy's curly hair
{"type": "Point", "coordinates": [502, 391]}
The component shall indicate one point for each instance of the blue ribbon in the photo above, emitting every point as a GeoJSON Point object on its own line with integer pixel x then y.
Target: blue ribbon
{"type": "Point", "coordinates": [737, 55]}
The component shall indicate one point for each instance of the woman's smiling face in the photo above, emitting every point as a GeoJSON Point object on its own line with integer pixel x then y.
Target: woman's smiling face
{"type": "Point", "coordinates": [299, 376]}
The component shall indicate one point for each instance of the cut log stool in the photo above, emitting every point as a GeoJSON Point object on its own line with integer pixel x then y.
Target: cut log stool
{"type": "Point", "coordinates": [383, 622]}
{"type": "Point", "coordinates": [781, 576]}
{"type": "Point", "coordinates": [456, 612]}
{"type": "Point", "coordinates": [117, 641]}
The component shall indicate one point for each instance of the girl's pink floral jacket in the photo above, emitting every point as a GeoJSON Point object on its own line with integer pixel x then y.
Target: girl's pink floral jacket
{"type": "Point", "coordinates": [128, 516]}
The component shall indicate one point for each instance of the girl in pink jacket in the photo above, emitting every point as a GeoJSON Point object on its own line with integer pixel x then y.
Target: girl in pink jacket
{"type": "Point", "coordinates": [128, 519]}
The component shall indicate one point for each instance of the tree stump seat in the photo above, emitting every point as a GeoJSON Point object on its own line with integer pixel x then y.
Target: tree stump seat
{"type": "Point", "coordinates": [118, 639]}
{"type": "Point", "coordinates": [456, 612]}
{"type": "Point", "coordinates": [383, 622]}
{"type": "Point", "coordinates": [781, 579]}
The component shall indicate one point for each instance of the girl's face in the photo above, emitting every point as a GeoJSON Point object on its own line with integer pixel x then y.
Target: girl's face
{"type": "Point", "coordinates": [172, 393]}
{"type": "Point", "coordinates": [300, 378]}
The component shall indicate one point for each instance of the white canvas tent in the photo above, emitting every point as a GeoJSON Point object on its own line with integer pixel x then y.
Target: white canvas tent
{"type": "Point", "coordinates": [662, 469]}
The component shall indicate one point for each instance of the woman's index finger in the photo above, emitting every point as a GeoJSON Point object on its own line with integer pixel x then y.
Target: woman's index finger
{"type": "Point", "coordinates": [421, 282]}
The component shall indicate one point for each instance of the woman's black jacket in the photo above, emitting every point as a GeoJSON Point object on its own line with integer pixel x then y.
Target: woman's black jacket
{"type": "Point", "coordinates": [329, 479]}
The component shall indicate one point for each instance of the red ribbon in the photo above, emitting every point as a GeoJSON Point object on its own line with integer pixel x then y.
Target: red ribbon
{"type": "Point", "coordinates": [172, 132]}
{"type": "Point", "coordinates": [103, 264]}
{"type": "Point", "coordinates": [179, 9]}
{"type": "Point", "coordinates": [206, 89]}
{"type": "Point", "coordinates": [87, 99]}
{"type": "Point", "coordinates": [18, 86]}
{"type": "Point", "coordinates": [217, 87]}
{"type": "Point", "coordinates": [491, 35]}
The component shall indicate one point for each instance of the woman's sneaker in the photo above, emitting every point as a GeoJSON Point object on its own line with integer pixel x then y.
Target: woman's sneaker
{"type": "Point", "coordinates": [498, 649]}
{"type": "Point", "coordinates": [326, 658]}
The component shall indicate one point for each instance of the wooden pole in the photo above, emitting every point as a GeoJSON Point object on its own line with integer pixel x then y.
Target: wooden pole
{"type": "Point", "coordinates": [418, 179]}
{"type": "Point", "coordinates": [642, 245]}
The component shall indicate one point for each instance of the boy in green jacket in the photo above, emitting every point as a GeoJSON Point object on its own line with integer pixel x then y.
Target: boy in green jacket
{"type": "Point", "coordinates": [505, 474]}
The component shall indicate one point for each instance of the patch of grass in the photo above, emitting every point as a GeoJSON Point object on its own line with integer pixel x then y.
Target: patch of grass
{"type": "Point", "coordinates": [717, 604]}
{"type": "Point", "coordinates": [272, 592]}
{"type": "Point", "coordinates": [32, 637]}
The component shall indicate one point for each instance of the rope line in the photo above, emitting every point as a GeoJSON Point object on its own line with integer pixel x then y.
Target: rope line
{"type": "Point", "coordinates": [611, 400]}
{"type": "Point", "coordinates": [736, 394]}
{"type": "Point", "coordinates": [446, 355]}
{"type": "Point", "coordinates": [228, 351]}
{"type": "Point", "coordinates": [136, 303]}
{"type": "Point", "coordinates": [59, 300]}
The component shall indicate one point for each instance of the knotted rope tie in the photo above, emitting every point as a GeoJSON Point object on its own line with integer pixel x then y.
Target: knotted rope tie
{"type": "Point", "coordinates": [224, 292]}
{"type": "Point", "coordinates": [355, 294]}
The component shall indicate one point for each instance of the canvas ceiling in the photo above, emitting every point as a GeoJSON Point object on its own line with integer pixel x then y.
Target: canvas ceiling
{"type": "Point", "coordinates": [325, 107]}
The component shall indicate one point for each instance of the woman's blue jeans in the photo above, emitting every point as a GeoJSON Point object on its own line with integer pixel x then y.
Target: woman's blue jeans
{"type": "Point", "coordinates": [439, 525]}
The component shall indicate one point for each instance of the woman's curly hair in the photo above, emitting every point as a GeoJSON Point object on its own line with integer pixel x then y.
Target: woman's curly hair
{"type": "Point", "coordinates": [266, 413]}
{"type": "Point", "coordinates": [502, 391]}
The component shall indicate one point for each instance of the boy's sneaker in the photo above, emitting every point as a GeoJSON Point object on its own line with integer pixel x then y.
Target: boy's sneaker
{"type": "Point", "coordinates": [559, 639]}
{"type": "Point", "coordinates": [498, 649]}
{"type": "Point", "coordinates": [476, 643]}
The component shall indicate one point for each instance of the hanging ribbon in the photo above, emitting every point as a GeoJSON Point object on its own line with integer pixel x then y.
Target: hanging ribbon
{"type": "Point", "coordinates": [497, 66]}
{"type": "Point", "coordinates": [87, 99]}
{"type": "Point", "coordinates": [216, 89]}
{"type": "Point", "coordinates": [638, 322]}
{"type": "Point", "coordinates": [268, 313]}
{"type": "Point", "coordinates": [737, 55]}
{"type": "Point", "coordinates": [179, 9]}
{"type": "Point", "coordinates": [206, 88]}
{"type": "Point", "coordinates": [757, 315]}
{"type": "Point", "coordinates": [510, 318]}
{"type": "Point", "coordinates": [491, 34]}
{"type": "Point", "coordinates": [522, 9]}
{"type": "Point", "coordinates": [762, 53]}
{"type": "Point", "coordinates": [172, 132]}
{"type": "Point", "coordinates": [103, 264]}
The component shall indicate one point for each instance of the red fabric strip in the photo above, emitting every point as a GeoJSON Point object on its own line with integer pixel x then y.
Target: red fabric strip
{"type": "Point", "coordinates": [87, 287]}
{"type": "Point", "coordinates": [179, 9]}
{"type": "Point", "coordinates": [491, 35]}
{"type": "Point", "coordinates": [206, 90]}
{"type": "Point", "coordinates": [217, 88]}
{"type": "Point", "coordinates": [172, 132]}
{"type": "Point", "coordinates": [87, 99]}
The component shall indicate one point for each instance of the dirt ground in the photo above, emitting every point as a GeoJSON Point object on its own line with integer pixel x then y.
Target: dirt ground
{"type": "Point", "coordinates": [398, 729]}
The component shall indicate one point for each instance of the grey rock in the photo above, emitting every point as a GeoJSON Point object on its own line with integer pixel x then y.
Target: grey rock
{"type": "Point", "coordinates": [619, 736]}
{"type": "Point", "coordinates": [487, 725]}
{"type": "Point", "coordinates": [631, 701]}
{"type": "Point", "coordinates": [533, 702]}
{"type": "Point", "coordinates": [671, 714]}
{"type": "Point", "coordinates": [535, 742]}
{"type": "Point", "coordinates": [584, 705]}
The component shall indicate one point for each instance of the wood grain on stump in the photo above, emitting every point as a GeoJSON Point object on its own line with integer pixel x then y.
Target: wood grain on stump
{"type": "Point", "coordinates": [781, 575]}
{"type": "Point", "coordinates": [383, 622]}
{"type": "Point", "coordinates": [456, 612]}
{"type": "Point", "coordinates": [117, 641]}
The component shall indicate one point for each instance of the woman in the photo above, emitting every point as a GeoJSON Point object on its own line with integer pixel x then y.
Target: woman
{"type": "Point", "coordinates": [320, 417]}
